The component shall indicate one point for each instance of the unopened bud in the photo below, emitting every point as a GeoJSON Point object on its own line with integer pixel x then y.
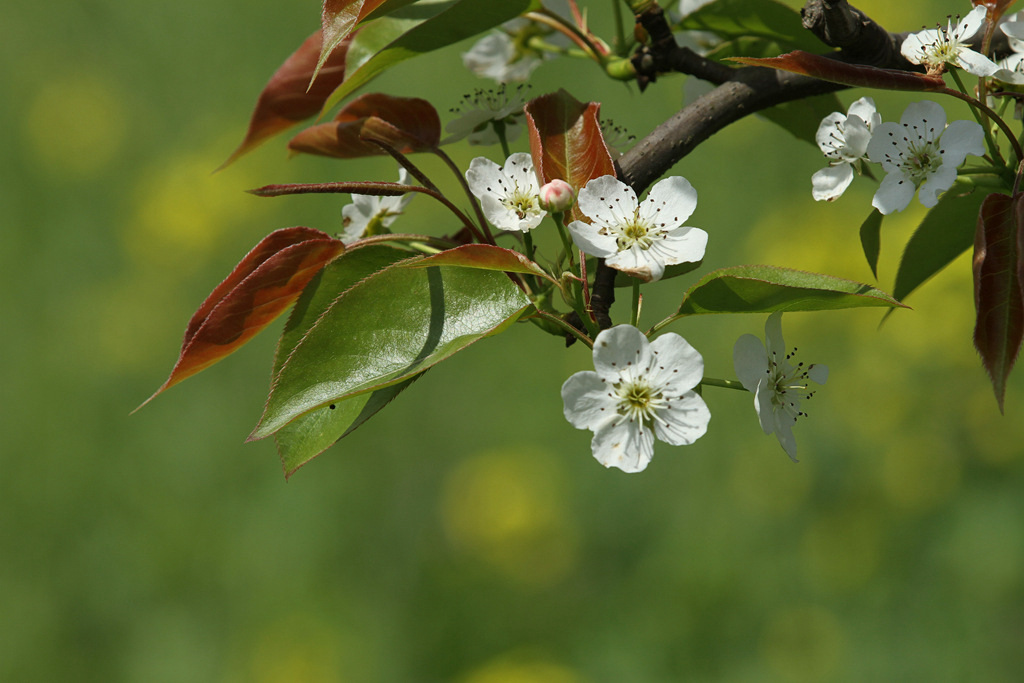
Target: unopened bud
{"type": "Point", "coordinates": [557, 196]}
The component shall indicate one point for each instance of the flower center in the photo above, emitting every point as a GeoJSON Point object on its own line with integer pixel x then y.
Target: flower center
{"type": "Point", "coordinates": [921, 160]}
{"type": "Point", "coordinates": [634, 233]}
{"type": "Point", "coordinates": [521, 203]}
{"type": "Point", "coordinates": [790, 384]}
{"type": "Point", "coordinates": [638, 401]}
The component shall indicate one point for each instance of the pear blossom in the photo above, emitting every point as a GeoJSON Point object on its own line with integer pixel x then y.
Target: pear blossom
{"type": "Point", "coordinates": [1011, 68]}
{"type": "Point", "coordinates": [368, 214]}
{"type": "Point", "coordinates": [938, 47]}
{"type": "Point", "coordinates": [496, 56]}
{"type": "Point", "coordinates": [844, 140]}
{"type": "Point", "coordinates": [921, 151]}
{"type": "Point", "coordinates": [509, 195]}
{"type": "Point", "coordinates": [639, 238]}
{"type": "Point", "coordinates": [778, 385]}
{"type": "Point", "coordinates": [1013, 27]}
{"type": "Point", "coordinates": [639, 390]}
{"type": "Point", "coordinates": [480, 110]}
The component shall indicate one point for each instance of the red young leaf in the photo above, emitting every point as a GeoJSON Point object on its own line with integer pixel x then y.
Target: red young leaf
{"type": "Point", "coordinates": [285, 99]}
{"type": "Point", "coordinates": [408, 124]}
{"type": "Point", "coordinates": [338, 19]}
{"type": "Point", "coordinates": [856, 75]}
{"type": "Point", "coordinates": [260, 288]}
{"type": "Point", "coordinates": [998, 295]}
{"type": "Point", "coordinates": [484, 257]}
{"type": "Point", "coordinates": [566, 140]}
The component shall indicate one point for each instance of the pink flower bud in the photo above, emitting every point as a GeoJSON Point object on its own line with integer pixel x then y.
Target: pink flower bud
{"type": "Point", "coordinates": [557, 196]}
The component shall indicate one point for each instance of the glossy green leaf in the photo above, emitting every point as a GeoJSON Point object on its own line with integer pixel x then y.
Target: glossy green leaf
{"type": "Point", "coordinates": [763, 289]}
{"type": "Point", "coordinates": [387, 328]}
{"type": "Point", "coordinates": [945, 233]}
{"type": "Point", "coordinates": [308, 436]}
{"type": "Point", "coordinates": [998, 293]}
{"type": "Point", "coordinates": [764, 19]}
{"type": "Point", "coordinates": [871, 239]}
{"type": "Point", "coordinates": [443, 24]}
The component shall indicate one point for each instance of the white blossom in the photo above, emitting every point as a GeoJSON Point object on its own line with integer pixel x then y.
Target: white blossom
{"type": "Point", "coordinates": [938, 47]}
{"type": "Point", "coordinates": [639, 239]}
{"type": "Point", "coordinates": [778, 385]}
{"type": "Point", "coordinates": [640, 390]}
{"type": "Point", "coordinates": [480, 110]}
{"type": "Point", "coordinates": [367, 214]}
{"type": "Point", "coordinates": [1011, 68]}
{"type": "Point", "coordinates": [495, 56]}
{"type": "Point", "coordinates": [844, 140]}
{"type": "Point", "coordinates": [921, 151]}
{"type": "Point", "coordinates": [1013, 27]}
{"type": "Point", "coordinates": [509, 194]}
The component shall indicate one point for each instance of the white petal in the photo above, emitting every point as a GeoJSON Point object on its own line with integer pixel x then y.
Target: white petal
{"type": "Point", "coordinates": [519, 168]}
{"type": "Point", "coordinates": [763, 404]}
{"type": "Point", "coordinates": [915, 47]}
{"type": "Point", "coordinates": [773, 335]}
{"type": "Point", "coordinates": [669, 203]}
{"type": "Point", "coordinates": [829, 183]}
{"type": "Point", "coordinates": [483, 176]}
{"type": "Point", "coordinates": [750, 361]}
{"type": "Point", "coordinates": [927, 111]}
{"type": "Point", "coordinates": [685, 421]}
{"type": "Point", "coordinates": [960, 139]}
{"type": "Point", "coordinates": [682, 245]}
{"type": "Point", "coordinates": [976, 63]}
{"type": "Point", "coordinates": [607, 201]}
{"type": "Point", "coordinates": [830, 132]}
{"type": "Point", "coordinates": [677, 364]}
{"type": "Point", "coordinates": [884, 147]}
{"type": "Point", "coordinates": [627, 446]}
{"type": "Point", "coordinates": [586, 403]}
{"type": "Point", "coordinates": [640, 263]}
{"type": "Point", "coordinates": [865, 110]}
{"type": "Point", "coordinates": [817, 373]}
{"type": "Point", "coordinates": [620, 349]}
{"type": "Point", "coordinates": [784, 433]}
{"type": "Point", "coordinates": [591, 241]}
{"type": "Point", "coordinates": [936, 184]}
{"type": "Point", "coordinates": [857, 138]}
{"type": "Point", "coordinates": [498, 215]}
{"type": "Point", "coordinates": [894, 193]}
{"type": "Point", "coordinates": [971, 23]}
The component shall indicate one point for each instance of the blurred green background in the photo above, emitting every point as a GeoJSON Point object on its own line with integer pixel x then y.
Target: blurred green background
{"type": "Point", "coordinates": [465, 534]}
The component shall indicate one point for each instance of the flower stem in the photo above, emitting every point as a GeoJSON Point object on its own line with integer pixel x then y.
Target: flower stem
{"type": "Point", "coordinates": [566, 244]}
{"type": "Point", "coordinates": [635, 317]}
{"type": "Point", "coordinates": [499, 130]}
{"type": "Point", "coordinates": [724, 383]}
{"type": "Point", "coordinates": [488, 237]}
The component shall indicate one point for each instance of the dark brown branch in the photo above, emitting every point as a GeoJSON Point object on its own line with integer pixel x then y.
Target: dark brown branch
{"type": "Point", "coordinates": [740, 91]}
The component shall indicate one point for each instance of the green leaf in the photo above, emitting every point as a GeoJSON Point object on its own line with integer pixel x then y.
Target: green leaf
{"type": "Point", "coordinates": [945, 233]}
{"type": "Point", "coordinates": [871, 239]}
{"type": "Point", "coordinates": [763, 289]}
{"type": "Point", "coordinates": [998, 295]}
{"type": "Point", "coordinates": [388, 328]}
{"type": "Point", "coordinates": [443, 24]}
{"type": "Point", "coordinates": [308, 436]}
{"type": "Point", "coordinates": [766, 19]}
{"type": "Point", "coordinates": [311, 434]}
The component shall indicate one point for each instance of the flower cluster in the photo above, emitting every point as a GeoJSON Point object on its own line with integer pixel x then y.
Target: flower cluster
{"type": "Point", "coordinates": [920, 151]}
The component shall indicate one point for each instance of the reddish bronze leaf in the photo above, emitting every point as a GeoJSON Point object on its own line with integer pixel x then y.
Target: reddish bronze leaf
{"type": "Point", "coordinates": [857, 75]}
{"type": "Point", "coordinates": [338, 19]}
{"type": "Point", "coordinates": [407, 124]}
{"type": "Point", "coordinates": [285, 99]}
{"type": "Point", "coordinates": [259, 289]}
{"type": "Point", "coordinates": [998, 295]}
{"type": "Point", "coordinates": [566, 141]}
{"type": "Point", "coordinates": [483, 257]}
